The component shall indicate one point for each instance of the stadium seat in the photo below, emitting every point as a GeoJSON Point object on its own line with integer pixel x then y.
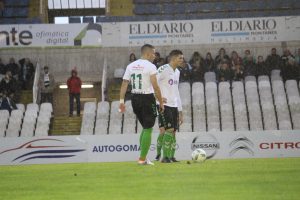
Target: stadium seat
{"type": "Point", "coordinates": [87, 19]}
{"type": "Point", "coordinates": [102, 118]}
{"type": "Point", "coordinates": [4, 116]}
{"type": "Point", "coordinates": [266, 99]}
{"type": "Point", "coordinates": [14, 124]}
{"type": "Point", "coordinates": [227, 122]}
{"type": "Point", "coordinates": [46, 107]}
{"type": "Point", "coordinates": [198, 102]}
{"type": "Point", "coordinates": [32, 107]}
{"type": "Point", "coordinates": [119, 72]}
{"type": "Point", "coordinates": [281, 106]}
{"type": "Point", "coordinates": [255, 118]}
{"type": "Point", "coordinates": [21, 107]}
{"type": "Point", "coordinates": [185, 95]}
{"type": "Point", "coordinates": [129, 123]}
{"type": "Point", "coordinates": [73, 20]}
{"type": "Point", "coordinates": [293, 102]}
{"type": "Point", "coordinates": [210, 77]}
{"type": "Point", "coordinates": [115, 124]}
{"type": "Point", "coordinates": [239, 105]}
{"type": "Point", "coordinates": [88, 119]}
{"type": "Point", "coordinates": [212, 107]}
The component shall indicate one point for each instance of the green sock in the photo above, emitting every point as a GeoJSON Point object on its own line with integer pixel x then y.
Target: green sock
{"type": "Point", "coordinates": [145, 143]}
{"type": "Point", "coordinates": [167, 140]}
{"type": "Point", "coordinates": [141, 136]}
{"type": "Point", "coordinates": [159, 143]}
{"type": "Point", "coordinates": [173, 147]}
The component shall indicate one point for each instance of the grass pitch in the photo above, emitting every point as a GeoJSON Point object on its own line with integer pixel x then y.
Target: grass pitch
{"type": "Point", "coordinates": [215, 179]}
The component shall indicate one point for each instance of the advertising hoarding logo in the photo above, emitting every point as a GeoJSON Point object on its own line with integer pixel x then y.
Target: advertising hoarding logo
{"type": "Point", "coordinates": [208, 143]}
{"type": "Point", "coordinates": [241, 143]}
{"type": "Point", "coordinates": [42, 149]}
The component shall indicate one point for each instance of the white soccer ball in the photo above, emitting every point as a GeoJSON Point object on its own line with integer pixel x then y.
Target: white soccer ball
{"type": "Point", "coordinates": [199, 155]}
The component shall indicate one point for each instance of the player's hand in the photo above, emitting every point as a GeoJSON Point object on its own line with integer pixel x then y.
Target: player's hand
{"type": "Point", "coordinates": [161, 108]}
{"type": "Point", "coordinates": [180, 118]}
{"type": "Point", "coordinates": [122, 108]}
{"type": "Point", "coordinates": [164, 100]}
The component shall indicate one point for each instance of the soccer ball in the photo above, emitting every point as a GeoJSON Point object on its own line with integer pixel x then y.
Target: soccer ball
{"type": "Point", "coordinates": [198, 155]}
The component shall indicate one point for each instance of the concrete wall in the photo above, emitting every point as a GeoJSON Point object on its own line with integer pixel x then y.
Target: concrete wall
{"type": "Point", "coordinates": [89, 61]}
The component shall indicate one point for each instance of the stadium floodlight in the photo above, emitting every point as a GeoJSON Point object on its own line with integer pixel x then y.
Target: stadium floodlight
{"type": "Point", "coordinates": [64, 86]}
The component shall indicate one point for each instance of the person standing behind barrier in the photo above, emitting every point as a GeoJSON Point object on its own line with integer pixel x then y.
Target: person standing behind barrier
{"type": "Point", "coordinates": [74, 87]}
{"type": "Point", "coordinates": [46, 84]}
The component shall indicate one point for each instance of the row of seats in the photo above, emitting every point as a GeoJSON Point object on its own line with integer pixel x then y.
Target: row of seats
{"type": "Point", "coordinates": [161, 8]}
{"type": "Point", "coordinates": [16, 3]}
{"type": "Point", "coordinates": [34, 121]}
{"type": "Point", "coordinates": [186, 16]}
{"type": "Point", "coordinates": [255, 105]}
{"type": "Point", "coordinates": [12, 12]}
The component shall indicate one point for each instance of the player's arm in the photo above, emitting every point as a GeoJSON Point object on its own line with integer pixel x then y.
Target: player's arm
{"type": "Point", "coordinates": [122, 95]}
{"type": "Point", "coordinates": [157, 91]}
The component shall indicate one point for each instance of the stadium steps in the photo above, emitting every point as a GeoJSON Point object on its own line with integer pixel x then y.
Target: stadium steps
{"type": "Point", "coordinates": [121, 8]}
{"type": "Point", "coordinates": [65, 125]}
{"type": "Point", "coordinates": [114, 92]}
{"type": "Point", "coordinates": [34, 8]}
{"type": "Point", "coordinates": [26, 97]}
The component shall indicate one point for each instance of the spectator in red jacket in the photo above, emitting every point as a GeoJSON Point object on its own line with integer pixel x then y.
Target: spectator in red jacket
{"type": "Point", "coordinates": [74, 86]}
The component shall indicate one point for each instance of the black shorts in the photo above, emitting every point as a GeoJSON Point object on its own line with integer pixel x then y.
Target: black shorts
{"type": "Point", "coordinates": [168, 119]}
{"type": "Point", "coordinates": [144, 107]}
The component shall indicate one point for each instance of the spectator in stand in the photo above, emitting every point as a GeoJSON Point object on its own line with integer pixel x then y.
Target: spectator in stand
{"type": "Point", "coordinates": [236, 61]}
{"type": "Point", "coordinates": [197, 63]}
{"type": "Point", "coordinates": [249, 64]}
{"type": "Point", "coordinates": [6, 103]}
{"type": "Point", "coordinates": [160, 62]}
{"type": "Point", "coordinates": [8, 85]}
{"type": "Point", "coordinates": [286, 58]}
{"type": "Point", "coordinates": [185, 72]}
{"type": "Point", "coordinates": [290, 70]}
{"type": "Point", "coordinates": [1, 7]}
{"type": "Point", "coordinates": [132, 57]}
{"type": "Point", "coordinates": [156, 60]}
{"type": "Point", "coordinates": [209, 63]}
{"type": "Point", "coordinates": [273, 61]}
{"type": "Point", "coordinates": [2, 68]}
{"type": "Point", "coordinates": [225, 73]}
{"type": "Point", "coordinates": [46, 84]}
{"type": "Point", "coordinates": [297, 58]}
{"type": "Point", "coordinates": [238, 73]}
{"type": "Point", "coordinates": [221, 58]}
{"type": "Point", "coordinates": [261, 67]}
{"type": "Point", "coordinates": [26, 74]}
{"type": "Point", "coordinates": [13, 67]}
{"type": "Point", "coordinates": [74, 86]}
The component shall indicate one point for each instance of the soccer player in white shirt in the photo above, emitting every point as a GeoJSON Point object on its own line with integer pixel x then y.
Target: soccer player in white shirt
{"type": "Point", "coordinates": [142, 75]}
{"type": "Point", "coordinates": [168, 80]}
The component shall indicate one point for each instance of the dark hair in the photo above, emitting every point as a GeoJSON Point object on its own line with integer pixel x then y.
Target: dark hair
{"type": "Point", "coordinates": [175, 52]}
{"type": "Point", "coordinates": [146, 47]}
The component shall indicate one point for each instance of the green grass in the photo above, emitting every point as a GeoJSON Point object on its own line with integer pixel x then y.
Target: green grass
{"type": "Point", "coordinates": [216, 179]}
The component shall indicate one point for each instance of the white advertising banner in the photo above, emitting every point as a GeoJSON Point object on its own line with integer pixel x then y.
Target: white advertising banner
{"type": "Point", "coordinates": [117, 148]}
{"type": "Point", "coordinates": [159, 33]}
{"type": "Point", "coordinates": [214, 31]}
{"type": "Point", "coordinates": [50, 35]}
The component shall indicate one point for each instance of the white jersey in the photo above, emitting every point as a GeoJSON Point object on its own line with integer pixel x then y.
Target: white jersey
{"type": "Point", "coordinates": [168, 81]}
{"type": "Point", "coordinates": [138, 73]}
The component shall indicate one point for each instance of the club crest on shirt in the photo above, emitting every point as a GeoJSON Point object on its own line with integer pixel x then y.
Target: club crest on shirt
{"type": "Point", "coordinates": [171, 82]}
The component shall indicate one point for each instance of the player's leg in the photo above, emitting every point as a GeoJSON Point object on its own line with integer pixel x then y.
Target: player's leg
{"type": "Point", "coordinates": [159, 144]}
{"type": "Point", "coordinates": [148, 118]}
{"type": "Point", "coordinates": [137, 109]}
{"type": "Point", "coordinates": [168, 135]}
{"type": "Point", "coordinates": [175, 125]}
